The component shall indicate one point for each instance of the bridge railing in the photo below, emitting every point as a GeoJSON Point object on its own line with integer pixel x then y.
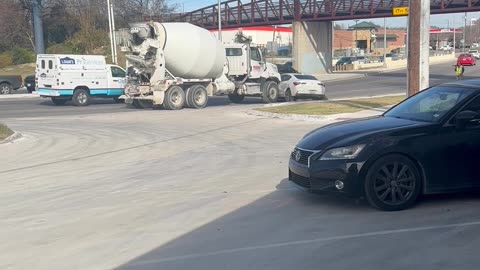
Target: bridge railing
{"type": "Point", "coordinates": [238, 13]}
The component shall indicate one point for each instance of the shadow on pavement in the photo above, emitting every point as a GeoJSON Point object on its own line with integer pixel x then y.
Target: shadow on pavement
{"type": "Point", "coordinates": [292, 229]}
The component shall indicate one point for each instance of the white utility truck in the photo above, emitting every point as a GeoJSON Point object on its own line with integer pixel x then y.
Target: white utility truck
{"type": "Point", "coordinates": [180, 65]}
{"type": "Point", "coordinates": [78, 78]}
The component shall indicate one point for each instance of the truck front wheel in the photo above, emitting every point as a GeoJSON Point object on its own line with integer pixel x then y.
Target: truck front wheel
{"type": "Point", "coordinates": [270, 92]}
{"type": "Point", "coordinates": [81, 97]}
{"type": "Point", "coordinates": [174, 98]}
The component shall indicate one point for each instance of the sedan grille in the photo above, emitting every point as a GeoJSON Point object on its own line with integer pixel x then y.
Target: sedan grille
{"type": "Point", "coordinates": [300, 180]}
{"type": "Point", "coordinates": [301, 156]}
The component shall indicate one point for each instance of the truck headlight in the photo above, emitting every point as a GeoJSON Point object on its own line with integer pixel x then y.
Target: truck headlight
{"type": "Point", "coordinates": [347, 152]}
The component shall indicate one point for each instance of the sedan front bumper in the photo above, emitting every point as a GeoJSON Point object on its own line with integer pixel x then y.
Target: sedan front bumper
{"type": "Point", "coordinates": [322, 175]}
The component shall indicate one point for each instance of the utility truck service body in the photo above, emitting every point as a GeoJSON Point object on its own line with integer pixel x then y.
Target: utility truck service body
{"type": "Point", "coordinates": [180, 65]}
{"type": "Point", "coordinates": [78, 78]}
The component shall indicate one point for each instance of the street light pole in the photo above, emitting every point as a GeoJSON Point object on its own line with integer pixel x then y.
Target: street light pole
{"type": "Point", "coordinates": [109, 11]}
{"type": "Point", "coordinates": [384, 42]}
{"type": "Point", "coordinates": [464, 31]}
{"type": "Point", "coordinates": [454, 37]}
{"type": "Point", "coordinates": [115, 59]}
{"type": "Point", "coordinates": [356, 36]}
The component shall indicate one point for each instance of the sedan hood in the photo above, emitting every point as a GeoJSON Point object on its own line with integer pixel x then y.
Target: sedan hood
{"type": "Point", "coordinates": [343, 132]}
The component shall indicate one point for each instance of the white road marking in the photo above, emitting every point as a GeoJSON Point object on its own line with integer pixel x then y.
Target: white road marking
{"type": "Point", "coordinates": [303, 242]}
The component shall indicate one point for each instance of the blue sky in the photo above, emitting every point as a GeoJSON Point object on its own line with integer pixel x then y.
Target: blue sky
{"type": "Point", "coordinates": [443, 20]}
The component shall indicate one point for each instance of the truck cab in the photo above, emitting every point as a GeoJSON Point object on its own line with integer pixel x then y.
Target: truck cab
{"type": "Point", "coordinates": [254, 76]}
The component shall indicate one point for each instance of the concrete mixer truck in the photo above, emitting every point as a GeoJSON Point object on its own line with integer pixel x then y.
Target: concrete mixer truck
{"type": "Point", "coordinates": [179, 65]}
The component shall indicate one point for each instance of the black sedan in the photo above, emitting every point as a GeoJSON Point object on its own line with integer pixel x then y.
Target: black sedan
{"type": "Point", "coordinates": [30, 83]}
{"type": "Point", "coordinates": [429, 143]}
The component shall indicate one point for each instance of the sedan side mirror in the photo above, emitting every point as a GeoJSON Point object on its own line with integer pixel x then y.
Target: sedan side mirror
{"type": "Point", "coordinates": [463, 118]}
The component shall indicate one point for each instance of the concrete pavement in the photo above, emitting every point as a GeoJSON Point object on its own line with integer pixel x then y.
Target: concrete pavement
{"type": "Point", "coordinates": [200, 189]}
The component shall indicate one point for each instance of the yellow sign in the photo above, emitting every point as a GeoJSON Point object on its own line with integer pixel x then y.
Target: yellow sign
{"type": "Point", "coordinates": [400, 11]}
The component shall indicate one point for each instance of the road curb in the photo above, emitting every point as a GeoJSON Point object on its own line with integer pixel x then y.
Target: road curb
{"type": "Point", "coordinates": [14, 96]}
{"type": "Point", "coordinates": [12, 138]}
{"type": "Point", "coordinates": [315, 118]}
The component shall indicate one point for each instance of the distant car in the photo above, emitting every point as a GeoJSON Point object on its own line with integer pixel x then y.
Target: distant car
{"type": "Point", "coordinates": [10, 83]}
{"type": "Point", "coordinates": [427, 144]}
{"type": "Point", "coordinates": [475, 53]}
{"type": "Point", "coordinates": [300, 86]}
{"type": "Point", "coordinates": [466, 59]}
{"type": "Point", "coordinates": [348, 60]}
{"type": "Point", "coordinates": [30, 83]}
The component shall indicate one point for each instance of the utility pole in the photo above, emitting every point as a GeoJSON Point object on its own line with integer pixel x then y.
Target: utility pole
{"type": "Point", "coordinates": [38, 26]}
{"type": "Point", "coordinates": [418, 45]}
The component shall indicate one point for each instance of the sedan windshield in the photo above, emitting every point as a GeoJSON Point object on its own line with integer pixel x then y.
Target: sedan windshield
{"type": "Point", "coordinates": [430, 105]}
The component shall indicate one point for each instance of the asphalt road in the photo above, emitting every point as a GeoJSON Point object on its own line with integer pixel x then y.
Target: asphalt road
{"type": "Point", "coordinates": [373, 84]}
{"type": "Point", "coordinates": [199, 189]}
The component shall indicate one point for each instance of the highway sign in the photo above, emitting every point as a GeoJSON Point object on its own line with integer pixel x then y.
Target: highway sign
{"type": "Point", "coordinates": [400, 11]}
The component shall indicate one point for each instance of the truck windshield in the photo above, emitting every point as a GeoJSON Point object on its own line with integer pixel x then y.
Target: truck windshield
{"type": "Point", "coordinates": [233, 51]}
{"type": "Point", "coordinates": [255, 54]}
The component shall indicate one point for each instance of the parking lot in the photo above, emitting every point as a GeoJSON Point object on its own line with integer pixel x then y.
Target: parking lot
{"type": "Point", "coordinates": [198, 189]}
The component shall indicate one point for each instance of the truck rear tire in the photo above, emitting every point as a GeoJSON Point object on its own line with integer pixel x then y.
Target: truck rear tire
{"type": "Point", "coordinates": [197, 97]}
{"type": "Point", "coordinates": [81, 97]}
{"type": "Point", "coordinates": [59, 101]}
{"type": "Point", "coordinates": [236, 98]}
{"type": "Point", "coordinates": [5, 89]}
{"type": "Point", "coordinates": [270, 92]}
{"type": "Point", "coordinates": [174, 98]}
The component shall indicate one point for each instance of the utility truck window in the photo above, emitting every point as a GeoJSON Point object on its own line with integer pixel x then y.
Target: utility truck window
{"type": "Point", "coordinates": [50, 64]}
{"type": "Point", "coordinates": [43, 64]}
{"type": "Point", "coordinates": [118, 73]}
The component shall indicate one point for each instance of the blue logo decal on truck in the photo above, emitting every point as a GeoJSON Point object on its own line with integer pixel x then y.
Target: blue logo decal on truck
{"type": "Point", "coordinates": [67, 61]}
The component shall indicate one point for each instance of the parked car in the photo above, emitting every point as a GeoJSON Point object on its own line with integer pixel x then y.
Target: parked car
{"type": "Point", "coordinates": [300, 86]}
{"type": "Point", "coordinates": [429, 143]}
{"type": "Point", "coordinates": [10, 83]}
{"type": "Point", "coordinates": [30, 83]}
{"type": "Point", "coordinates": [346, 60]}
{"type": "Point", "coordinates": [475, 53]}
{"type": "Point", "coordinates": [466, 59]}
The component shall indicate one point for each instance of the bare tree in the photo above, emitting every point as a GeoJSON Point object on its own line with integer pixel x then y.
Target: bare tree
{"type": "Point", "coordinates": [15, 26]}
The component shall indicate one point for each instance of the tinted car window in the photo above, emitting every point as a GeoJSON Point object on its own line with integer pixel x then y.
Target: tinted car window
{"type": "Point", "coordinates": [285, 77]}
{"type": "Point", "coordinates": [430, 105]}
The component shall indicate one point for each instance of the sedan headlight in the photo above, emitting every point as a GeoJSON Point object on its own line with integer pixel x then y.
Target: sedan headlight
{"type": "Point", "coordinates": [348, 152]}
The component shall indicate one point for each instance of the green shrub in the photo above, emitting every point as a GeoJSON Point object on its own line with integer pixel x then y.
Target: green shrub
{"type": "Point", "coordinates": [60, 48]}
{"type": "Point", "coordinates": [22, 56]}
{"type": "Point", "coordinates": [5, 60]}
